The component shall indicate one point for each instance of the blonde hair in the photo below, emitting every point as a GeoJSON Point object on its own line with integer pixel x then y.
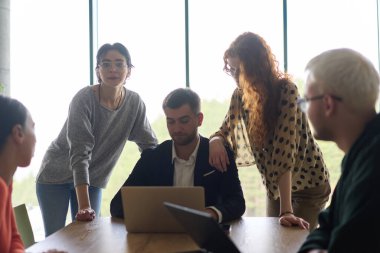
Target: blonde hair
{"type": "Point", "coordinates": [348, 74]}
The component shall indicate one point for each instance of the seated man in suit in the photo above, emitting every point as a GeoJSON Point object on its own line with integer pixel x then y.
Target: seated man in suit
{"type": "Point", "coordinates": [183, 161]}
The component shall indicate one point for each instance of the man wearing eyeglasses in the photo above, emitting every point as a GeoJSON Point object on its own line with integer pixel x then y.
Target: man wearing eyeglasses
{"type": "Point", "coordinates": [342, 88]}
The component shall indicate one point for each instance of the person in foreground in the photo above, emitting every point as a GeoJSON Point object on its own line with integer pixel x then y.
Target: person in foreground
{"type": "Point", "coordinates": [78, 163]}
{"type": "Point", "coordinates": [183, 161]}
{"type": "Point", "coordinates": [265, 126]}
{"type": "Point", "coordinates": [342, 88]}
{"type": "Point", "coordinates": [17, 142]}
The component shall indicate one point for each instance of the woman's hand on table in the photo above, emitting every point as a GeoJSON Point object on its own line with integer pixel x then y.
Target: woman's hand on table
{"type": "Point", "coordinates": [289, 220]}
{"type": "Point", "coordinates": [87, 214]}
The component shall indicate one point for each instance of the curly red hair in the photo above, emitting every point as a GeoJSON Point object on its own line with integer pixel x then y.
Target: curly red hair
{"type": "Point", "coordinates": [260, 80]}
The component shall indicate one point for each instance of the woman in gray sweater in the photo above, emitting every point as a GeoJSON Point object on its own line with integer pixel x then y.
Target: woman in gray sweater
{"type": "Point", "coordinates": [78, 163]}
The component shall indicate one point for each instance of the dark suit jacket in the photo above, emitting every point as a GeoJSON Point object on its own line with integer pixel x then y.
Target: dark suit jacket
{"type": "Point", "coordinates": [155, 168]}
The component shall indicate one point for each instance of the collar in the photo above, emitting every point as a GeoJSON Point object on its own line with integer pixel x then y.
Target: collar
{"type": "Point", "coordinates": [193, 155]}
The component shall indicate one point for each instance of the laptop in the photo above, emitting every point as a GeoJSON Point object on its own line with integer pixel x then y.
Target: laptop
{"type": "Point", "coordinates": [144, 211]}
{"type": "Point", "coordinates": [203, 229]}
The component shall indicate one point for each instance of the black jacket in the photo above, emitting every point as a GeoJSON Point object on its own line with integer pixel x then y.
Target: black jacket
{"type": "Point", "coordinates": [352, 221]}
{"type": "Point", "coordinates": [155, 168]}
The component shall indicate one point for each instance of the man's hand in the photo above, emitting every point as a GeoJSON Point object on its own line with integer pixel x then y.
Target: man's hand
{"type": "Point", "coordinates": [212, 212]}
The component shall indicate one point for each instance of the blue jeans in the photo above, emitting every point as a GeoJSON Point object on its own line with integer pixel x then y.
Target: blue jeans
{"type": "Point", "coordinates": [54, 202]}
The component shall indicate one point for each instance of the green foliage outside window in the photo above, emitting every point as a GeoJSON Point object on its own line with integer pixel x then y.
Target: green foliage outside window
{"type": "Point", "coordinates": [214, 112]}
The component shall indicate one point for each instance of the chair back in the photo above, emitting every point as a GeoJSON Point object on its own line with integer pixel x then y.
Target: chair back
{"type": "Point", "coordinates": [23, 225]}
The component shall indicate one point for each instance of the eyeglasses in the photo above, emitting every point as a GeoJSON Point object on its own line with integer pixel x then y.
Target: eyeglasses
{"type": "Point", "coordinates": [304, 103]}
{"type": "Point", "coordinates": [119, 65]}
{"type": "Point", "coordinates": [232, 71]}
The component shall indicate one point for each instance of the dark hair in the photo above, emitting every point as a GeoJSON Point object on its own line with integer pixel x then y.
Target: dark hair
{"type": "Point", "coordinates": [180, 97]}
{"type": "Point", "coordinates": [108, 47]}
{"type": "Point", "coordinates": [12, 112]}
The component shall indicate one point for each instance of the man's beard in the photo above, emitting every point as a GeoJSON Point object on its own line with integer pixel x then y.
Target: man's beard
{"type": "Point", "coordinates": [184, 140]}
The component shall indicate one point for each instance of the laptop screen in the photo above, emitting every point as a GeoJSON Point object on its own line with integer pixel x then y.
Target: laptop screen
{"type": "Point", "coordinates": [144, 211]}
{"type": "Point", "coordinates": [203, 229]}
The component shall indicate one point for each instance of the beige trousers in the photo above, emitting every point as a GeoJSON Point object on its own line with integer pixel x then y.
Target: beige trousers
{"type": "Point", "coordinates": [307, 204]}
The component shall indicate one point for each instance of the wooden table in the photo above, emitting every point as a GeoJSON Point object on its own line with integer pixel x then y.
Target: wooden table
{"type": "Point", "coordinates": [250, 234]}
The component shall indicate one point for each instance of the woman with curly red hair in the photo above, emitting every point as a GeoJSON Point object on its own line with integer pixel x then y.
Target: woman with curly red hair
{"type": "Point", "coordinates": [266, 127]}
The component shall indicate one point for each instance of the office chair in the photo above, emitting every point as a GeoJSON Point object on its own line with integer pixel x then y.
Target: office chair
{"type": "Point", "coordinates": [23, 225]}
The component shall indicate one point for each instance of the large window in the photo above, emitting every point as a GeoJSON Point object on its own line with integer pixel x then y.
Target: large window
{"type": "Point", "coordinates": [50, 62]}
{"type": "Point", "coordinates": [316, 26]}
{"type": "Point", "coordinates": [155, 38]}
{"type": "Point", "coordinates": [213, 25]}
{"type": "Point", "coordinates": [154, 33]}
{"type": "Point", "coordinates": [157, 47]}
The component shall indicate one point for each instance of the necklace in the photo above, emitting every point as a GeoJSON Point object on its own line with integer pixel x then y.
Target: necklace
{"type": "Point", "coordinates": [119, 99]}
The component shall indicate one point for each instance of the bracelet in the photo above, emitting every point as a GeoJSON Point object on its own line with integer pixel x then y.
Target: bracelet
{"type": "Point", "coordinates": [286, 212]}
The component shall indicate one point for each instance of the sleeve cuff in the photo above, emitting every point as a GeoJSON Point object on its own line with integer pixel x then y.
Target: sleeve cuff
{"type": "Point", "coordinates": [220, 216]}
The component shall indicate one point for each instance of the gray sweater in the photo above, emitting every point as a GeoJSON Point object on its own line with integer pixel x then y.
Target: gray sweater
{"type": "Point", "coordinates": [92, 139]}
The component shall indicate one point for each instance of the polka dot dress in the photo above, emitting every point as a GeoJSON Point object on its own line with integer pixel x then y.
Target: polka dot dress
{"type": "Point", "coordinates": [291, 146]}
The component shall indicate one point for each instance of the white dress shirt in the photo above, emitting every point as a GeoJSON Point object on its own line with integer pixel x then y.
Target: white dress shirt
{"type": "Point", "coordinates": [184, 173]}
{"type": "Point", "coordinates": [184, 169]}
